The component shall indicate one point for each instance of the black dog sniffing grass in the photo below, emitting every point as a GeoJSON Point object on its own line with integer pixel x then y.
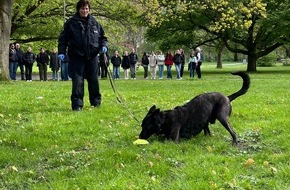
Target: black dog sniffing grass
{"type": "Point", "coordinates": [190, 119]}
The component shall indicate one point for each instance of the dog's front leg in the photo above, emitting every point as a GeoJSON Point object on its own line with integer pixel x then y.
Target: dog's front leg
{"type": "Point", "coordinates": [174, 134]}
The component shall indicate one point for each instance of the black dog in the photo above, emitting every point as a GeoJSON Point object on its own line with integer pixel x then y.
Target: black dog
{"type": "Point", "coordinates": [190, 119]}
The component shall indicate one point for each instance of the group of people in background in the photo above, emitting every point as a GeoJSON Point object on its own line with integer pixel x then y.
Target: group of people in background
{"type": "Point", "coordinates": [151, 63]}
{"type": "Point", "coordinates": [156, 62]}
{"type": "Point", "coordinates": [25, 61]}
{"type": "Point", "coordinates": [178, 59]}
{"type": "Point", "coordinates": [127, 62]}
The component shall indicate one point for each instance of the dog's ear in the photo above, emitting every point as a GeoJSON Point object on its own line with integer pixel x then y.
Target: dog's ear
{"type": "Point", "coordinates": [152, 109]}
{"type": "Point", "coordinates": [156, 112]}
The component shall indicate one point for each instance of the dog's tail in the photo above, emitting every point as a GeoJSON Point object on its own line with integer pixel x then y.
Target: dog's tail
{"type": "Point", "coordinates": [245, 87]}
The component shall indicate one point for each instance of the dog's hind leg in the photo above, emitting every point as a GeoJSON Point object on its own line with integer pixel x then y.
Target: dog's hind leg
{"type": "Point", "coordinates": [226, 124]}
{"type": "Point", "coordinates": [206, 130]}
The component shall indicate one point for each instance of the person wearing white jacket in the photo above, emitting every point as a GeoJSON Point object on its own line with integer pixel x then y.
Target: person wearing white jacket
{"type": "Point", "coordinates": [160, 62]}
{"type": "Point", "coordinates": [152, 65]}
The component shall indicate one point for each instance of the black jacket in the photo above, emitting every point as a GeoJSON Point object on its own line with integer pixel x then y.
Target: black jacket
{"type": "Point", "coordinates": [145, 60]}
{"type": "Point", "coordinates": [84, 37]}
{"type": "Point", "coordinates": [125, 62]}
{"type": "Point", "coordinates": [42, 58]}
{"type": "Point", "coordinates": [54, 62]}
{"type": "Point", "coordinates": [116, 61]}
{"type": "Point", "coordinates": [13, 55]}
{"type": "Point", "coordinates": [28, 58]}
{"type": "Point", "coordinates": [19, 53]}
{"type": "Point", "coordinates": [133, 58]}
{"type": "Point", "coordinates": [178, 59]}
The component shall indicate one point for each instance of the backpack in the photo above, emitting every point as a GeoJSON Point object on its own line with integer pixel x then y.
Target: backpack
{"type": "Point", "coordinates": [201, 57]}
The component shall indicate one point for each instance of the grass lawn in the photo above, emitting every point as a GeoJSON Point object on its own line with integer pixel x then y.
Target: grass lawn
{"type": "Point", "coordinates": [45, 145]}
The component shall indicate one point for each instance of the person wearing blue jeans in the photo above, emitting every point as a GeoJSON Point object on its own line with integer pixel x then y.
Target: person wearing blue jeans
{"type": "Point", "coordinates": [13, 62]}
{"type": "Point", "coordinates": [64, 68]}
{"type": "Point", "coordinates": [178, 68]}
{"type": "Point", "coordinates": [178, 61]}
{"type": "Point", "coordinates": [192, 64]}
{"type": "Point", "coordinates": [116, 62]}
{"type": "Point", "coordinates": [160, 62]}
{"type": "Point", "coordinates": [169, 62]}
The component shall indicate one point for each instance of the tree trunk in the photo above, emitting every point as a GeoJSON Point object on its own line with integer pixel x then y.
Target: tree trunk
{"type": "Point", "coordinates": [236, 54]}
{"type": "Point", "coordinates": [5, 25]}
{"type": "Point", "coordinates": [252, 63]}
{"type": "Point", "coordinates": [219, 56]}
{"type": "Point", "coordinates": [287, 52]}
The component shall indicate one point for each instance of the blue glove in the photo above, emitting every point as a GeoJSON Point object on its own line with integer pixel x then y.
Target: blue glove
{"type": "Point", "coordinates": [104, 49]}
{"type": "Point", "coordinates": [61, 57]}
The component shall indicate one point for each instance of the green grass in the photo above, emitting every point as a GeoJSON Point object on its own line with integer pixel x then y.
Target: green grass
{"type": "Point", "coordinates": [45, 145]}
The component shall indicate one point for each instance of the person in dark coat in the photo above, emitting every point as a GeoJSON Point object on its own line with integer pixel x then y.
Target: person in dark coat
{"type": "Point", "coordinates": [104, 63]}
{"type": "Point", "coordinates": [42, 60]}
{"type": "Point", "coordinates": [28, 60]}
{"type": "Point", "coordinates": [177, 59]}
{"type": "Point", "coordinates": [19, 53]}
{"type": "Point", "coordinates": [126, 64]}
{"type": "Point", "coordinates": [13, 62]}
{"type": "Point", "coordinates": [116, 62]}
{"type": "Point", "coordinates": [133, 60]}
{"type": "Point", "coordinates": [85, 39]}
{"type": "Point", "coordinates": [182, 62]}
{"type": "Point", "coordinates": [145, 63]}
{"type": "Point", "coordinates": [54, 64]}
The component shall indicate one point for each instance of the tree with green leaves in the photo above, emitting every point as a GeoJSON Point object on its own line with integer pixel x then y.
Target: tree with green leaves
{"type": "Point", "coordinates": [39, 22]}
{"type": "Point", "coordinates": [251, 27]}
{"type": "Point", "coordinates": [5, 23]}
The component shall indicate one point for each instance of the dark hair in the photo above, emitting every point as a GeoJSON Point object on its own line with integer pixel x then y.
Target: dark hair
{"type": "Point", "coordinates": [82, 3]}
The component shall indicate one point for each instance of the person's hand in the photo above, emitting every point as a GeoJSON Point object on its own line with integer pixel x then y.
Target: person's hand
{"type": "Point", "coordinates": [104, 49]}
{"type": "Point", "coordinates": [61, 57]}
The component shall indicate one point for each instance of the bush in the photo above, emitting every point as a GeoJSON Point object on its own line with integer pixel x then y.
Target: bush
{"type": "Point", "coordinates": [267, 61]}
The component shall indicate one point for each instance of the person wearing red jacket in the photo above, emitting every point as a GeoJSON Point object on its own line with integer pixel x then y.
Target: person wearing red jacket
{"type": "Point", "coordinates": [169, 62]}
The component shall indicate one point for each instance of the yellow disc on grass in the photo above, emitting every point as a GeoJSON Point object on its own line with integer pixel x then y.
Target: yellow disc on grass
{"type": "Point", "coordinates": [140, 141]}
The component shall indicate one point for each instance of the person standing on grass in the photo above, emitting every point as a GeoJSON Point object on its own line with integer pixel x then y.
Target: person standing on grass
{"type": "Point", "coordinates": [182, 62]}
{"type": "Point", "coordinates": [116, 62]}
{"type": "Point", "coordinates": [64, 67]}
{"type": "Point", "coordinates": [169, 62]}
{"type": "Point", "coordinates": [199, 57]}
{"type": "Point", "coordinates": [13, 62]}
{"type": "Point", "coordinates": [126, 64]}
{"type": "Point", "coordinates": [85, 39]}
{"type": "Point", "coordinates": [133, 60]}
{"type": "Point", "coordinates": [54, 64]}
{"type": "Point", "coordinates": [192, 64]}
{"type": "Point", "coordinates": [160, 62]}
{"type": "Point", "coordinates": [19, 53]}
{"type": "Point", "coordinates": [104, 64]}
{"type": "Point", "coordinates": [28, 60]}
{"type": "Point", "coordinates": [152, 64]}
{"type": "Point", "coordinates": [42, 60]}
{"type": "Point", "coordinates": [145, 63]}
{"type": "Point", "coordinates": [178, 61]}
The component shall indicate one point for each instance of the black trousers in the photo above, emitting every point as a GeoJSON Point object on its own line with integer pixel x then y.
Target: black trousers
{"type": "Point", "coordinates": [28, 71]}
{"type": "Point", "coordinates": [198, 69]}
{"type": "Point", "coordinates": [81, 68]}
{"type": "Point", "coordinates": [181, 69]}
{"type": "Point", "coordinates": [42, 71]}
{"type": "Point", "coordinates": [21, 66]}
